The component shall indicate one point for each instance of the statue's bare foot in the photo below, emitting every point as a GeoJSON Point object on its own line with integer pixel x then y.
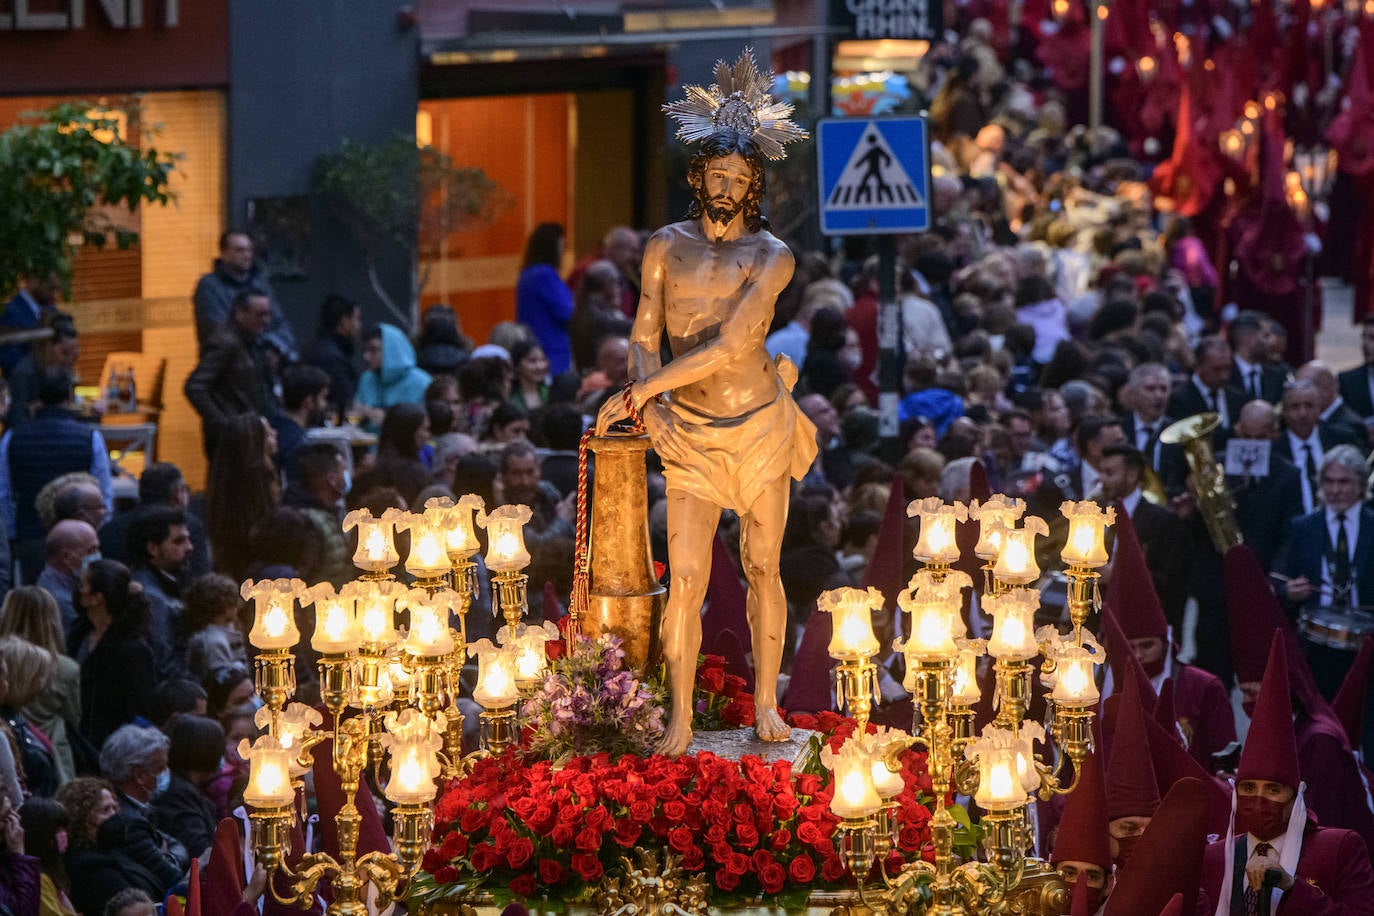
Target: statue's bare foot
{"type": "Point", "coordinates": [768, 725]}
{"type": "Point", "coordinates": [675, 738]}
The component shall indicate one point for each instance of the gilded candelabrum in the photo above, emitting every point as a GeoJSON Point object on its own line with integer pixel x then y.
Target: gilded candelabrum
{"type": "Point", "coordinates": [1000, 768]}
{"type": "Point", "coordinates": [391, 694]}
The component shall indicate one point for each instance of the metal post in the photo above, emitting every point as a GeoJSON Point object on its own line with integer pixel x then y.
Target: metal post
{"type": "Point", "coordinates": [891, 357]}
{"type": "Point", "coordinates": [1095, 65]}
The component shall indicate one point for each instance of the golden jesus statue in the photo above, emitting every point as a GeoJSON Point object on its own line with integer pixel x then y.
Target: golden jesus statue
{"type": "Point", "coordinates": [720, 413]}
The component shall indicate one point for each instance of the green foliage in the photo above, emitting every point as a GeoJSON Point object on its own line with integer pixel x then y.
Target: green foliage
{"type": "Point", "coordinates": [395, 193]}
{"type": "Point", "coordinates": [58, 169]}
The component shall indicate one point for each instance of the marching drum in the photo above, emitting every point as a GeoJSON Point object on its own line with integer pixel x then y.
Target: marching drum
{"type": "Point", "coordinates": [1337, 629]}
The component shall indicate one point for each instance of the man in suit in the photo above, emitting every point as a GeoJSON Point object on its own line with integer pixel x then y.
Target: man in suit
{"type": "Point", "coordinates": [1250, 343]}
{"type": "Point", "coordinates": [1357, 384]}
{"type": "Point", "coordinates": [1305, 440]}
{"type": "Point", "coordinates": [1094, 435]}
{"type": "Point", "coordinates": [1333, 412]}
{"type": "Point", "coordinates": [1276, 858]}
{"type": "Point", "coordinates": [1146, 395]}
{"type": "Point", "coordinates": [1268, 497]}
{"type": "Point", "coordinates": [1207, 389]}
{"type": "Point", "coordinates": [1161, 534]}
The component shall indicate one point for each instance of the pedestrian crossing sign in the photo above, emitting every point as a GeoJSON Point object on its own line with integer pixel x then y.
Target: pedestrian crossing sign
{"type": "Point", "coordinates": [874, 175]}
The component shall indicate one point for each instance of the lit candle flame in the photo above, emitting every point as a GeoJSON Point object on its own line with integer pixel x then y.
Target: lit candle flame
{"type": "Point", "coordinates": [276, 620]}
{"type": "Point", "coordinates": [1000, 782]}
{"type": "Point", "coordinates": [1075, 679]}
{"type": "Point", "coordinates": [335, 622]}
{"type": "Point", "coordinates": [375, 546]}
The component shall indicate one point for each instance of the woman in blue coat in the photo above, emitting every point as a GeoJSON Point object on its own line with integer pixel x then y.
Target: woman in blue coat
{"type": "Point", "coordinates": [543, 302]}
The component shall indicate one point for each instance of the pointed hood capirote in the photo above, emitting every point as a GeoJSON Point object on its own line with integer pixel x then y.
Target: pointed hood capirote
{"type": "Point", "coordinates": [1168, 859]}
{"type": "Point", "coordinates": [1083, 835]}
{"type": "Point", "coordinates": [1131, 787]}
{"type": "Point", "coordinates": [1271, 749]}
{"type": "Point", "coordinates": [1134, 599]}
{"type": "Point", "coordinates": [1348, 704]}
{"type": "Point", "coordinates": [1253, 611]}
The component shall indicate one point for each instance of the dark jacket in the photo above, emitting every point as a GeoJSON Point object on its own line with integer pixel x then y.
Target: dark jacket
{"type": "Point", "coordinates": [98, 874]}
{"type": "Point", "coordinates": [214, 299]}
{"type": "Point", "coordinates": [114, 536]}
{"type": "Point", "coordinates": [184, 812]}
{"type": "Point", "coordinates": [1354, 386]}
{"type": "Point", "coordinates": [1306, 544]}
{"type": "Point", "coordinates": [231, 378]}
{"type": "Point", "coordinates": [52, 444]}
{"type": "Point", "coordinates": [117, 679]}
{"type": "Point", "coordinates": [334, 354]}
{"type": "Point", "coordinates": [21, 882]}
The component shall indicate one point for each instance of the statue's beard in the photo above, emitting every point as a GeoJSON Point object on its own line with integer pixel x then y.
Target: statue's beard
{"type": "Point", "coordinates": [721, 210]}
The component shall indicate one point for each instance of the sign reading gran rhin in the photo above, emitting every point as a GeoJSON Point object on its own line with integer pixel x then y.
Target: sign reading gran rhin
{"type": "Point", "coordinates": [871, 19]}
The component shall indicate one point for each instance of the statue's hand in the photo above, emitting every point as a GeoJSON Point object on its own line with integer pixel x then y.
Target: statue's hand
{"type": "Point", "coordinates": [662, 426]}
{"type": "Point", "coordinates": [612, 412]}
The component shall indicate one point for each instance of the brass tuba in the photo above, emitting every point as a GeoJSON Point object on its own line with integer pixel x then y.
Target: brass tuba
{"type": "Point", "coordinates": [1206, 476]}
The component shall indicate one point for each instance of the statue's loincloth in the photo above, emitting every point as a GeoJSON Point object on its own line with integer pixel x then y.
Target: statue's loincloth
{"type": "Point", "coordinates": [732, 460]}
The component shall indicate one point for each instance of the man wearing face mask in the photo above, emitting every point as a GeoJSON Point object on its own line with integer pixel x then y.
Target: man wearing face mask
{"type": "Point", "coordinates": [1276, 859]}
{"type": "Point", "coordinates": [134, 759]}
{"type": "Point", "coordinates": [1082, 845]}
{"type": "Point", "coordinates": [69, 546]}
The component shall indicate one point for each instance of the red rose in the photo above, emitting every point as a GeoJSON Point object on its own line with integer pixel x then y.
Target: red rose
{"type": "Point", "coordinates": [909, 837]}
{"type": "Point", "coordinates": [550, 871]}
{"type": "Point", "coordinates": [713, 661]}
{"type": "Point", "coordinates": [802, 720]}
{"type": "Point", "coordinates": [681, 839]}
{"type": "Point", "coordinates": [715, 833]}
{"type": "Point", "coordinates": [520, 852]}
{"type": "Point", "coordinates": [675, 810]}
{"type": "Point", "coordinates": [561, 835]}
{"type": "Point", "coordinates": [694, 859]}
{"type": "Point", "coordinates": [523, 886]}
{"type": "Point", "coordinates": [667, 790]}
{"type": "Point", "coordinates": [780, 838]}
{"type": "Point", "coordinates": [739, 863]}
{"type": "Point", "coordinates": [739, 712]}
{"type": "Point", "coordinates": [587, 866]}
{"type": "Point", "coordinates": [746, 835]}
{"type": "Point", "coordinates": [772, 877]}
{"type": "Point", "coordinates": [474, 819]}
{"type": "Point", "coordinates": [734, 686]}
{"type": "Point", "coordinates": [446, 875]}
{"type": "Point", "coordinates": [712, 680]}
{"type": "Point", "coordinates": [626, 832]}
{"type": "Point", "coordinates": [802, 870]}
{"type": "Point", "coordinates": [808, 784]}
{"type": "Point", "coordinates": [809, 832]}
{"type": "Point", "coordinates": [727, 880]}
{"type": "Point", "coordinates": [589, 839]}
{"type": "Point", "coordinates": [760, 860]}
{"type": "Point", "coordinates": [641, 810]}
{"type": "Point", "coordinates": [832, 869]}
{"type": "Point", "coordinates": [555, 649]}
{"type": "Point", "coordinates": [455, 845]}
{"type": "Point", "coordinates": [483, 857]}
{"type": "Point", "coordinates": [433, 860]}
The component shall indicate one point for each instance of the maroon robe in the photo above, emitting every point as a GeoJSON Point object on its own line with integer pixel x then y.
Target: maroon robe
{"type": "Point", "coordinates": [1203, 709]}
{"type": "Point", "coordinates": [1335, 793]}
{"type": "Point", "coordinates": [1333, 876]}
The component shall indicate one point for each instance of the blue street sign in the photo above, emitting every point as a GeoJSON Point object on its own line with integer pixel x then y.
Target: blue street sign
{"type": "Point", "coordinates": [874, 175]}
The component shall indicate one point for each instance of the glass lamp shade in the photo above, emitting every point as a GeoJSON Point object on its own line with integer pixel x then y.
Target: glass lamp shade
{"type": "Point", "coordinates": [506, 538]}
{"type": "Point", "coordinates": [937, 543]}
{"type": "Point", "coordinates": [428, 557]}
{"type": "Point", "coordinates": [429, 634]}
{"type": "Point", "coordinates": [1016, 562]}
{"type": "Point", "coordinates": [496, 686]}
{"type": "Point", "coordinates": [852, 612]}
{"type": "Point", "coordinates": [963, 689]}
{"type": "Point", "coordinates": [1086, 546]}
{"type": "Point", "coordinates": [935, 608]}
{"type": "Point", "coordinates": [274, 616]}
{"type": "Point", "coordinates": [336, 630]}
{"type": "Point", "coordinates": [376, 551]}
{"type": "Point", "coordinates": [376, 609]}
{"type": "Point", "coordinates": [1075, 684]}
{"type": "Point", "coordinates": [293, 725]}
{"type": "Point", "coordinates": [992, 516]}
{"type": "Point", "coordinates": [1001, 775]}
{"type": "Point", "coordinates": [531, 661]}
{"type": "Point", "coordinates": [1013, 626]}
{"type": "Point", "coordinates": [887, 783]}
{"type": "Point", "coordinates": [855, 795]}
{"type": "Point", "coordinates": [269, 773]}
{"type": "Point", "coordinates": [413, 742]}
{"type": "Point", "coordinates": [460, 531]}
